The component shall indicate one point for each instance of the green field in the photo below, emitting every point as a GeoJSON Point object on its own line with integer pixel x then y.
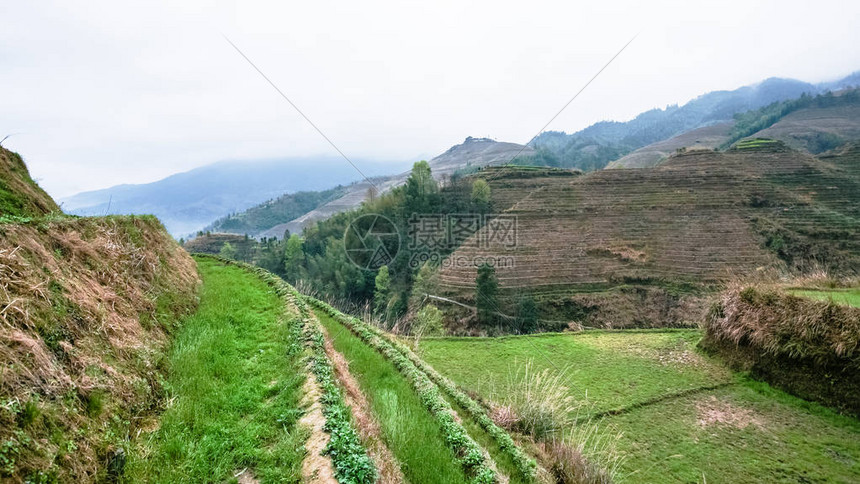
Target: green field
{"type": "Point", "coordinates": [850, 297]}
{"type": "Point", "coordinates": [683, 416]}
{"type": "Point", "coordinates": [408, 428]}
{"type": "Point", "coordinates": [234, 384]}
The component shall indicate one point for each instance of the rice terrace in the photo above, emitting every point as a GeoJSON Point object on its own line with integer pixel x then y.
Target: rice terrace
{"type": "Point", "coordinates": [252, 242]}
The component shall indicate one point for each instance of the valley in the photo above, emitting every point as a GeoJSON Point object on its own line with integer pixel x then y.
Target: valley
{"type": "Point", "coordinates": [669, 299]}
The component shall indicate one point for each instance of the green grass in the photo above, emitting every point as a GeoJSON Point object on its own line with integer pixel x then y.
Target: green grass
{"type": "Point", "coordinates": [744, 431]}
{"type": "Point", "coordinates": [851, 297]}
{"type": "Point", "coordinates": [755, 143]}
{"type": "Point", "coordinates": [408, 429]}
{"type": "Point", "coordinates": [633, 367]}
{"type": "Point", "coordinates": [768, 436]}
{"type": "Point", "coordinates": [234, 386]}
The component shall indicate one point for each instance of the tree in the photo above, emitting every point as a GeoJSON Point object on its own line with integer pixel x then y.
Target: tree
{"type": "Point", "coordinates": [381, 292]}
{"type": "Point", "coordinates": [425, 283]}
{"type": "Point", "coordinates": [421, 191]}
{"type": "Point", "coordinates": [227, 251]}
{"type": "Point", "coordinates": [481, 195]}
{"type": "Point", "coordinates": [486, 294]}
{"type": "Point", "coordinates": [293, 257]}
{"type": "Point", "coordinates": [372, 192]}
{"type": "Point", "coordinates": [527, 315]}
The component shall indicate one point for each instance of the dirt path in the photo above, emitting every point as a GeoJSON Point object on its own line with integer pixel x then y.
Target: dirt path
{"type": "Point", "coordinates": [366, 424]}
{"type": "Point", "coordinates": [316, 467]}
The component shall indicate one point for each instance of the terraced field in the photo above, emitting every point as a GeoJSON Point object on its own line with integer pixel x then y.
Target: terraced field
{"type": "Point", "coordinates": [682, 416]}
{"type": "Point", "coordinates": [850, 297]}
{"type": "Point", "coordinates": [267, 384]}
{"type": "Point", "coordinates": [696, 220]}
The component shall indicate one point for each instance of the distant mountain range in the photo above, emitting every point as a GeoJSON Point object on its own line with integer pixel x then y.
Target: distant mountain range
{"type": "Point", "coordinates": [187, 202]}
{"type": "Point", "coordinates": [215, 196]}
{"type": "Point", "coordinates": [471, 154]}
{"type": "Point", "coordinates": [595, 146]}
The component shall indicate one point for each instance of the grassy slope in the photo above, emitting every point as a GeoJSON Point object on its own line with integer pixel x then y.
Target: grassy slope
{"type": "Point", "coordinates": [408, 429]}
{"type": "Point", "coordinates": [235, 383]}
{"type": "Point", "coordinates": [850, 297]}
{"type": "Point", "coordinates": [88, 308]}
{"type": "Point", "coordinates": [785, 439]}
{"type": "Point", "coordinates": [20, 196]}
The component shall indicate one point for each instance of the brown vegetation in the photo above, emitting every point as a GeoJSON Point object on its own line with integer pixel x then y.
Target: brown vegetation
{"type": "Point", "coordinates": [807, 347]}
{"type": "Point", "coordinates": [85, 309]}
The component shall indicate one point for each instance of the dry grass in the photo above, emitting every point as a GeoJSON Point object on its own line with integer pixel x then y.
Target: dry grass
{"type": "Point", "coordinates": [804, 346]}
{"type": "Point", "coordinates": [778, 323]}
{"type": "Point", "coordinates": [535, 402]}
{"type": "Point", "coordinates": [85, 308]}
{"type": "Point", "coordinates": [573, 449]}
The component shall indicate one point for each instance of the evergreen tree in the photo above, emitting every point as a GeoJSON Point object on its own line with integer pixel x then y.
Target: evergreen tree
{"type": "Point", "coordinates": [421, 191]}
{"type": "Point", "coordinates": [486, 295]}
{"type": "Point", "coordinates": [481, 195]}
{"type": "Point", "coordinates": [527, 315]}
{"type": "Point", "coordinates": [381, 292]}
{"type": "Point", "coordinates": [293, 257]}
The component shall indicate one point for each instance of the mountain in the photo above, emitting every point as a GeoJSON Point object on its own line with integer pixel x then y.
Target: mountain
{"type": "Point", "coordinates": [186, 202]}
{"type": "Point", "coordinates": [471, 154]}
{"type": "Point", "coordinates": [597, 145]}
{"type": "Point", "coordinates": [641, 247]}
{"type": "Point", "coordinates": [813, 124]}
{"type": "Point", "coordinates": [273, 212]}
{"type": "Point", "coordinates": [708, 137]}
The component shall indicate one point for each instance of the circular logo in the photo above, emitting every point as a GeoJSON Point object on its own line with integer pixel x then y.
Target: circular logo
{"type": "Point", "coordinates": [371, 241]}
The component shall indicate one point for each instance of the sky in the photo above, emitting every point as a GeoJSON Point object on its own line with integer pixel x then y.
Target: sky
{"type": "Point", "coordinates": [98, 93]}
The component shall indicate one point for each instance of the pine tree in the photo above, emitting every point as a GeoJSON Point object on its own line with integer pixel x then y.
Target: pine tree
{"type": "Point", "coordinates": [527, 315]}
{"type": "Point", "coordinates": [486, 295]}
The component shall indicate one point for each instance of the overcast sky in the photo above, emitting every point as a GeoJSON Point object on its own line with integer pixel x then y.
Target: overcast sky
{"type": "Point", "coordinates": [106, 92]}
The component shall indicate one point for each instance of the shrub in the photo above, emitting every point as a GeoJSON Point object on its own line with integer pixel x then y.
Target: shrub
{"type": "Point", "coordinates": [539, 399]}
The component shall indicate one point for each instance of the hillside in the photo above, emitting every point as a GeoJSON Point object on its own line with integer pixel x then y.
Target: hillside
{"type": "Point", "coordinates": [470, 154]}
{"type": "Point", "coordinates": [187, 202]}
{"type": "Point", "coordinates": [88, 305]}
{"type": "Point", "coordinates": [638, 247]}
{"type": "Point", "coordinates": [811, 124]}
{"type": "Point", "coordinates": [20, 196]}
{"type": "Point", "coordinates": [708, 137]}
{"type": "Point", "coordinates": [817, 129]}
{"type": "Point", "coordinates": [271, 213]}
{"type": "Point", "coordinates": [597, 145]}
{"type": "Point", "coordinates": [211, 243]}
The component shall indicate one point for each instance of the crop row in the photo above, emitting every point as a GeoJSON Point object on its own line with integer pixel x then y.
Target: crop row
{"type": "Point", "coordinates": [351, 463]}
{"type": "Point", "coordinates": [524, 464]}
{"type": "Point", "coordinates": [469, 454]}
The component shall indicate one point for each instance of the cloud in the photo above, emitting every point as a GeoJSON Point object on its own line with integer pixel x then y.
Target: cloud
{"type": "Point", "coordinates": [127, 92]}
